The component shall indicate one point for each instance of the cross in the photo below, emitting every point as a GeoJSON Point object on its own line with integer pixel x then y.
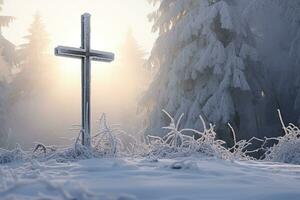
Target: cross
{"type": "Point", "coordinates": [86, 55]}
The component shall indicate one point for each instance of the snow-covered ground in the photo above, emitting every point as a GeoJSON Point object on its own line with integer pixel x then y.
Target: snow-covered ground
{"type": "Point", "coordinates": [127, 179]}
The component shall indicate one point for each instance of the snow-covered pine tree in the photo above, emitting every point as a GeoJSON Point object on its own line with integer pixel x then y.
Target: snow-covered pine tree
{"type": "Point", "coordinates": [7, 49]}
{"type": "Point", "coordinates": [207, 66]}
{"type": "Point", "coordinates": [5, 78]}
{"type": "Point", "coordinates": [276, 23]}
{"type": "Point", "coordinates": [7, 62]}
{"type": "Point", "coordinates": [34, 60]}
{"type": "Point", "coordinates": [291, 13]}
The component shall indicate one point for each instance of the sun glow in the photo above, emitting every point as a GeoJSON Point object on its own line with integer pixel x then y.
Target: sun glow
{"type": "Point", "coordinates": [110, 22]}
{"type": "Point", "coordinates": [70, 70]}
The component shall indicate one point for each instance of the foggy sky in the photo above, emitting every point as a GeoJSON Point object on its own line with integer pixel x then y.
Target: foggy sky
{"type": "Point", "coordinates": [110, 20]}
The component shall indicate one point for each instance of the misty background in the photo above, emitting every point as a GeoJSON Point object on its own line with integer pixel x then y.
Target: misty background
{"type": "Point", "coordinates": [45, 91]}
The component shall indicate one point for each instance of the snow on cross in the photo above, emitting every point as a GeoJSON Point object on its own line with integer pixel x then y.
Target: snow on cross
{"type": "Point", "coordinates": [86, 55]}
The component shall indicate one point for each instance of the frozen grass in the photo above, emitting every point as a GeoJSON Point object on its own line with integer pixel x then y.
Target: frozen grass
{"type": "Point", "coordinates": [111, 141]}
{"type": "Point", "coordinates": [177, 144]}
{"type": "Point", "coordinates": [287, 147]}
{"type": "Point", "coordinates": [16, 154]}
{"type": "Point", "coordinates": [108, 142]}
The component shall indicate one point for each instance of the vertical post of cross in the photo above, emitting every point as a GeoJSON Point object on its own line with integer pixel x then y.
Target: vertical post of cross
{"type": "Point", "coordinates": [86, 79]}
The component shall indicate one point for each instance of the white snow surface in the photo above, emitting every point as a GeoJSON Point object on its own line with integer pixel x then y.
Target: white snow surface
{"type": "Point", "coordinates": [132, 178]}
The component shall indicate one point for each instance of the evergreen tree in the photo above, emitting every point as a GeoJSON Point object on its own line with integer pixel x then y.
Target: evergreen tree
{"type": "Point", "coordinates": [132, 65]}
{"type": "Point", "coordinates": [291, 12]}
{"type": "Point", "coordinates": [38, 42]}
{"type": "Point", "coordinates": [7, 49]}
{"type": "Point", "coordinates": [5, 69]}
{"type": "Point", "coordinates": [34, 60]}
{"type": "Point", "coordinates": [207, 66]}
{"type": "Point", "coordinates": [135, 79]}
{"type": "Point", "coordinates": [276, 23]}
{"type": "Point", "coordinates": [4, 130]}
{"type": "Point", "coordinates": [7, 62]}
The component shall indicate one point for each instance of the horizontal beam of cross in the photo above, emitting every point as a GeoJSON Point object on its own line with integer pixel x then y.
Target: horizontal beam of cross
{"type": "Point", "coordinates": [82, 53]}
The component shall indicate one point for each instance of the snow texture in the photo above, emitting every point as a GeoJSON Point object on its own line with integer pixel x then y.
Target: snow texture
{"type": "Point", "coordinates": [131, 179]}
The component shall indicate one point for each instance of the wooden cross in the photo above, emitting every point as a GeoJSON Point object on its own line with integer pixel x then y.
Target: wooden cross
{"type": "Point", "coordinates": [86, 55]}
